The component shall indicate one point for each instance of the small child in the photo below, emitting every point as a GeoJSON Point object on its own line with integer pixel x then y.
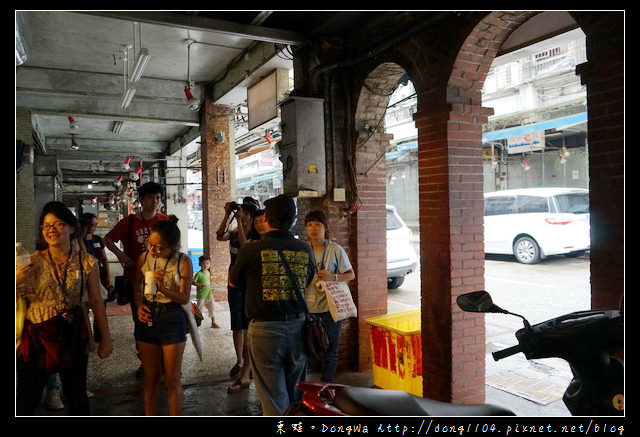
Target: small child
{"type": "Point", "coordinates": [202, 281]}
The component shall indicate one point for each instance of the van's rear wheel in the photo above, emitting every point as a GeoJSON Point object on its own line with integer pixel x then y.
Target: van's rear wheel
{"type": "Point", "coordinates": [526, 250]}
{"type": "Point", "coordinates": [394, 282]}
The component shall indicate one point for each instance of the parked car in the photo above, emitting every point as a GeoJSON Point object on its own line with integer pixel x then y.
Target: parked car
{"type": "Point", "coordinates": [401, 258]}
{"type": "Point", "coordinates": [534, 223]}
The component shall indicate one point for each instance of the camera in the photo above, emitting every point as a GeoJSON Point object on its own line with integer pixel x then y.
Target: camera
{"type": "Point", "coordinates": [233, 206]}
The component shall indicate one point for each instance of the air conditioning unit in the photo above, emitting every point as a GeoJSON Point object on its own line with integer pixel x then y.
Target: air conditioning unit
{"type": "Point", "coordinates": [302, 149]}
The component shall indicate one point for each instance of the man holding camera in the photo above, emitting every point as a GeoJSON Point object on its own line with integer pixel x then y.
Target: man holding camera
{"type": "Point", "coordinates": [243, 232]}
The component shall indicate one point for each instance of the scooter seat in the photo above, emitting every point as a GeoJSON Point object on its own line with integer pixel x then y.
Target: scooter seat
{"type": "Point", "coordinates": [362, 401]}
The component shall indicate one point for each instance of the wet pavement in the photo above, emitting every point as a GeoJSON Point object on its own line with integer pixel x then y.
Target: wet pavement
{"type": "Point", "coordinates": [117, 391]}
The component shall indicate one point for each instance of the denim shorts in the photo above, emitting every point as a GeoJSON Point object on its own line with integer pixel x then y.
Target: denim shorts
{"type": "Point", "coordinates": [169, 325]}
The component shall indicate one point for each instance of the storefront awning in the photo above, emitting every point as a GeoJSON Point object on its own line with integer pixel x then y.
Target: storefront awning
{"type": "Point", "coordinates": [560, 122]}
{"type": "Point", "coordinates": [402, 150]}
{"type": "Point", "coordinates": [269, 174]}
{"type": "Point", "coordinates": [540, 126]}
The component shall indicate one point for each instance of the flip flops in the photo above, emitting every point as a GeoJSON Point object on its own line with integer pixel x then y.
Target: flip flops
{"type": "Point", "coordinates": [237, 386]}
{"type": "Point", "coordinates": [234, 370]}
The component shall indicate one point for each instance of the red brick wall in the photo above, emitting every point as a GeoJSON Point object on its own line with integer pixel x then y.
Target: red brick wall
{"type": "Point", "coordinates": [216, 182]}
{"type": "Point", "coordinates": [368, 224]}
{"type": "Point", "coordinates": [451, 250]}
{"type": "Point", "coordinates": [451, 212]}
{"type": "Point", "coordinates": [603, 75]}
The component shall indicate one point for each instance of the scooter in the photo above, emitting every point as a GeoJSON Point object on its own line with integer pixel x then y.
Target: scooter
{"type": "Point", "coordinates": [585, 339]}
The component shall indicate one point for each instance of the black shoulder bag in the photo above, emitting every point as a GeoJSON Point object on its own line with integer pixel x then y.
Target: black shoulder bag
{"type": "Point", "coordinates": [315, 337]}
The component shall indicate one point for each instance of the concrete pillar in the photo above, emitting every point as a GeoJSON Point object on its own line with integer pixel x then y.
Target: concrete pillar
{"type": "Point", "coordinates": [26, 215]}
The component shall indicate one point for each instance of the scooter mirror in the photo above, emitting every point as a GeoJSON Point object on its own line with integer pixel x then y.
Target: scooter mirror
{"type": "Point", "coordinates": [478, 302]}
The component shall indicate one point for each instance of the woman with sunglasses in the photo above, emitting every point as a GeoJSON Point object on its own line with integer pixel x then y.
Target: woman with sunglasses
{"type": "Point", "coordinates": [55, 280]}
{"type": "Point", "coordinates": [162, 286]}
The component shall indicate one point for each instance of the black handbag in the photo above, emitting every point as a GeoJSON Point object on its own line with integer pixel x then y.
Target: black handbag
{"type": "Point", "coordinates": [121, 290]}
{"type": "Point", "coordinates": [315, 337]}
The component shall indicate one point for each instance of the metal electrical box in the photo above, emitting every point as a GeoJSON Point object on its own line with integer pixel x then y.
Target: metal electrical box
{"type": "Point", "coordinates": [302, 148]}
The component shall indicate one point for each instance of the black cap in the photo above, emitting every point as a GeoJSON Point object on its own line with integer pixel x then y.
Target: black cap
{"type": "Point", "coordinates": [281, 208]}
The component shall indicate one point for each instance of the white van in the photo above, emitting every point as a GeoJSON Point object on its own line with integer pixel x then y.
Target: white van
{"type": "Point", "coordinates": [401, 258]}
{"type": "Point", "coordinates": [533, 223]}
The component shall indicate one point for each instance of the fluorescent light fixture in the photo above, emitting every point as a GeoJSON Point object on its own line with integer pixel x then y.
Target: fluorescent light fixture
{"type": "Point", "coordinates": [127, 97]}
{"type": "Point", "coordinates": [141, 63]}
{"type": "Point", "coordinates": [117, 126]}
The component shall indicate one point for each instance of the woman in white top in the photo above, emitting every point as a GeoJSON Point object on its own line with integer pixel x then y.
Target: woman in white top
{"type": "Point", "coordinates": [332, 264]}
{"type": "Point", "coordinates": [161, 327]}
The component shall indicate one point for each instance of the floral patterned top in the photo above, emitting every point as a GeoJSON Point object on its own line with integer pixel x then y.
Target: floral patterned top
{"type": "Point", "coordinates": [46, 299]}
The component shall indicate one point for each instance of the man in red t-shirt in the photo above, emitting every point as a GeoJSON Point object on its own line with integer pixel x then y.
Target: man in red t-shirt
{"type": "Point", "coordinates": [134, 229]}
{"type": "Point", "coordinates": [133, 232]}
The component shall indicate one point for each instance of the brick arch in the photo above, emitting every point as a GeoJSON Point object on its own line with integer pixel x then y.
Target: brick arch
{"type": "Point", "coordinates": [368, 224]}
{"type": "Point", "coordinates": [451, 187]}
{"type": "Point", "coordinates": [451, 212]}
{"type": "Point", "coordinates": [450, 132]}
{"type": "Point", "coordinates": [477, 53]}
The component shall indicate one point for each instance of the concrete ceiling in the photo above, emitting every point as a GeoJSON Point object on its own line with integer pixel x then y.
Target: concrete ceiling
{"type": "Point", "coordinates": [70, 66]}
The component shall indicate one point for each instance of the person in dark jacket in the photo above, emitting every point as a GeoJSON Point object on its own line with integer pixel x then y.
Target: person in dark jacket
{"type": "Point", "coordinates": [275, 334]}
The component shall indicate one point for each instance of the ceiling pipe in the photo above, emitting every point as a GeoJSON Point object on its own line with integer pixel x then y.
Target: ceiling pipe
{"type": "Point", "coordinates": [192, 103]}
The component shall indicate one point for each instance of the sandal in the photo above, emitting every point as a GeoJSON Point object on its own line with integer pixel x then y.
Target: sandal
{"type": "Point", "coordinates": [237, 386]}
{"type": "Point", "coordinates": [235, 370]}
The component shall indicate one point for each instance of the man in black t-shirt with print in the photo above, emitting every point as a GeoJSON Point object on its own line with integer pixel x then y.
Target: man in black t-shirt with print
{"type": "Point", "coordinates": [275, 334]}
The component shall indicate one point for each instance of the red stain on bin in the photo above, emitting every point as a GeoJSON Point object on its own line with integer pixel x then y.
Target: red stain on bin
{"type": "Point", "coordinates": [416, 341]}
{"type": "Point", "coordinates": [396, 346]}
{"type": "Point", "coordinates": [379, 346]}
{"type": "Point", "coordinates": [391, 345]}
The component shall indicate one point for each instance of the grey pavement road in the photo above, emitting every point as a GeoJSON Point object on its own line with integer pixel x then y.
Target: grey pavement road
{"type": "Point", "coordinates": [556, 286]}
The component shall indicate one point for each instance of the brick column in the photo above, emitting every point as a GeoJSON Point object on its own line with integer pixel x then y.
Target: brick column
{"type": "Point", "coordinates": [603, 75]}
{"type": "Point", "coordinates": [369, 239]}
{"type": "Point", "coordinates": [218, 187]}
{"type": "Point", "coordinates": [451, 250]}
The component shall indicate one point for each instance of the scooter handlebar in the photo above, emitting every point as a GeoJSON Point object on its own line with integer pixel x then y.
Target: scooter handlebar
{"type": "Point", "coordinates": [504, 353]}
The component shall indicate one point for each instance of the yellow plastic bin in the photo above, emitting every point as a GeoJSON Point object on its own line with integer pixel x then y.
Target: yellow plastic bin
{"type": "Point", "coordinates": [396, 347]}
